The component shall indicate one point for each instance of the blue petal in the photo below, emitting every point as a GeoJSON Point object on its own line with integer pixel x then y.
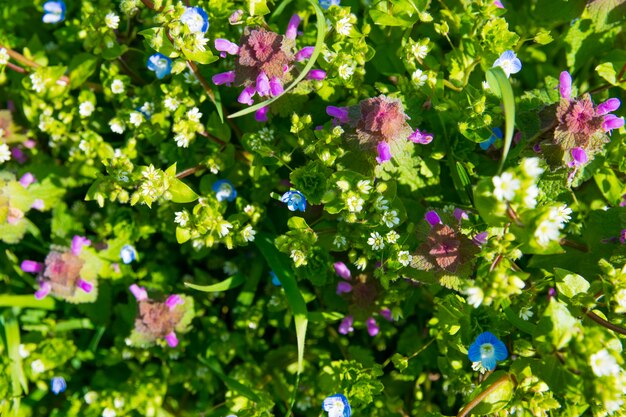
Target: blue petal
{"type": "Point", "coordinates": [516, 66]}
{"type": "Point", "coordinates": [51, 18]}
{"type": "Point", "coordinates": [489, 363]}
{"type": "Point", "coordinates": [474, 352]}
{"type": "Point", "coordinates": [486, 144]}
{"type": "Point", "coordinates": [486, 337]}
{"type": "Point", "coordinates": [55, 7]}
{"type": "Point", "coordinates": [508, 55]}
{"type": "Point", "coordinates": [497, 132]}
{"type": "Point", "coordinates": [500, 351]}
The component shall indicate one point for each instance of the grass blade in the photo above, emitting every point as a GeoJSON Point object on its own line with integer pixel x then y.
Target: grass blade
{"type": "Point", "coordinates": [227, 284]}
{"type": "Point", "coordinates": [11, 338]}
{"type": "Point", "coordinates": [500, 85]}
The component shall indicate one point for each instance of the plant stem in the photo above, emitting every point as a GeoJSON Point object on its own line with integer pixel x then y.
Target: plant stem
{"type": "Point", "coordinates": [29, 63]}
{"type": "Point", "coordinates": [604, 323]}
{"type": "Point", "coordinates": [466, 410]}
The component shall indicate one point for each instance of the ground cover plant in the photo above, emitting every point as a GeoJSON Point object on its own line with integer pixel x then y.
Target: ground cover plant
{"type": "Point", "coordinates": [368, 208]}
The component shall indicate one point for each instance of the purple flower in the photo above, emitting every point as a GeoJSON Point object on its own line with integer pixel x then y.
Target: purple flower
{"type": "Point", "coordinates": [432, 218]}
{"type": "Point", "coordinates": [345, 326]}
{"type": "Point", "coordinates": [174, 300]}
{"type": "Point", "coordinates": [18, 155]}
{"type": "Point", "coordinates": [480, 239]}
{"type": "Point", "coordinates": [31, 267]}
{"type": "Point", "coordinates": [224, 78]}
{"type": "Point", "coordinates": [246, 95]}
{"type": "Point", "coordinates": [342, 270]}
{"type": "Point", "coordinates": [372, 326]}
{"type": "Point", "coordinates": [140, 293]}
{"type": "Point", "coordinates": [292, 27]}
{"type": "Point", "coordinates": [460, 214]}
{"type": "Point", "coordinates": [384, 152]}
{"type": "Point", "coordinates": [316, 74]}
{"type": "Point", "coordinates": [262, 84]}
{"type": "Point", "coordinates": [622, 236]}
{"type": "Point", "coordinates": [77, 244]}
{"type": "Point", "coordinates": [235, 18]}
{"type": "Point", "coordinates": [171, 339]}
{"type": "Point", "coordinates": [27, 179]}
{"type": "Point", "coordinates": [498, 4]}
{"type": "Point", "coordinates": [38, 204]}
{"type": "Point", "coordinates": [612, 122]}
{"type": "Point", "coordinates": [84, 285]}
{"type": "Point", "coordinates": [551, 293]}
{"type": "Point", "coordinates": [305, 53]}
{"type": "Point", "coordinates": [579, 157]}
{"type": "Point", "coordinates": [423, 138]}
{"type": "Point", "coordinates": [340, 113]}
{"type": "Point", "coordinates": [343, 287]}
{"type": "Point", "coordinates": [261, 114]}
{"type": "Point", "coordinates": [224, 45]}
{"type": "Point", "coordinates": [565, 85]}
{"type": "Point", "coordinates": [276, 86]}
{"type": "Point", "coordinates": [44, 290]}
{"type": "Point", "coordinates": [386, 313]}
{"type": "Point", "coordinates": [608, 106]}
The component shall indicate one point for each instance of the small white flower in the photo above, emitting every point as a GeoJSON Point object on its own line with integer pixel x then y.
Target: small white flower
{"type": "Point", "coordinates": [404, 257]}
{"type": "Point", "coordinates": [182, 218]}
{"type": "Point", "coordinates": [5, 153]}
{"type": "Point", "coordinates": [24, 353]}
{"type": "Point", "coordinates": [109, 412]}
{"type": "Point", "coordinates": [526, 313]}
{"type": "Point", "coordinates": [345, 71]}
{"type": "Point", "coordinates": [230, 268]}
{"type": "Point", "coordinates": [340, 241]}
{"type": "Point", "coordinates": [4, 56]}
{"type": "Point", "coordinates": [37, 366]}
{"type": "Point", "coordinates": [419, 77]}
{"type": "Point", "coordinates": [199, 42]}
{"type": "Point", "coordinates": [381, 203]}
{"type": "Point", "coordinates": [170, 103]}
{"type": "Point", "coordinates": [194, 115]}
{"type": "Point", "coordinates": [86, 108]}
{"type": "Point", "coordinates": [224, 228]}
{"type": "Point", "coordinates": [376, 241]}
{"type": "Point", "coordinates": [298, 257]}
{"type": "Point", "coordinates": [355, 204]}
{"type": "Point", "coordinates": [249, 210]}
{"type": "Point", "coordinates": [419, 50]}
{"type": "Point", "coordinates": [38, 82]}
{"type": "Point", "coordinates": [620, 297]}
{"type": "Point", "coordinates": [604, 364]}
{"type": "Point", "coordinates": [118, 402]}
{"type": "Point", "coordinates": [338, 131]}
{"type": "Point", "coordinates": [135, 118]}
{"type": "Point", "coordinates": [344, 26]}
{"type": "Point", "coordinates": [392, 237]}
{"type": "Point", "coordinates": [530, 199]}
{"type": "Point", "coordinates": [475, 296]}
{"type": "Point", "coordinates": [83, 145]}
{"type": "Point", "coordinates": [546, 232]}
{"type": "Point", "coordinates": [117, 126]}
{"type": "Point", "coordinates": [561, 214]}
{"type": "Point", "coordinates": [478, 366]}
{"type": "Point", "coordinates": [532, 167]}
{"type": "Point", "coordinates": [117, 86]}
{"type": "Point", "coordinates": [390, 218]}
{"type": "Point", "coordinates": [361, 263]}
{"type": "Point", "coordinates": [505, 186]}
{"type": "Point", "coordinates": [90, 397]}
{"type": "Point", "coordinates": [112, 20]}
{"type": "Point", "coordinates": [343, 185]}
{"type": "Point", "coordinates": [364, 186]}
{"type": "Point", "coordinates": [248, 233]}
{"type": "Point", "coordinates": [182, 140]}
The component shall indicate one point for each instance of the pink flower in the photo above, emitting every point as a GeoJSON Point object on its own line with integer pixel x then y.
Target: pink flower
{"type": "Point", "coordinates": [224, 45]}
{"type": "Point", "coordinates": [372, 327]}
{"type": "Point", "coordinates": [579, 157]}
{"type": "Point", "coordinates": [345, 326]}
{"type": "Point", "coordinates": [262, 84]}
{"type": "Point", "coordinates": [384, 152]}
{"type": "Point", "coordinates": [246, 95]}
{"type": "Point", "coordinates": [342, 270]}
{"type": "Point", "coordinates": [305, 53]}
{"type": "Point", "coordinates": [77, 244]}
{"type": "Point", "coordinates": [292, 27]}
{"type": "Point", "coordinates": [276, 86]}
{"type": "Point", "coordinates": [44, 290]}
{"type": "Point", "coordinates": [343, 287]}
{"type": "Point", "coordinates": [38, 204]}
{"type": "Point", "coordinates": [386, 313]}
{"type": "Point", "coordinates": [140, 293]}
{"type": "Point", "coordinates": [31, 267]}
{"type": "Point", "coordinates": [174, 300]}
{"type": "Point", "coordinates": [480, 239]}
{"type": "Point", "coordinates": [423, 138]}
{"type": "Point", "coordinates": [224, 78]}
{"type": "Point", "coordinates": [261, 114]}
{"type": "Point", "coordinates": [340, 113]}
{"type": "Point", "coordinates": [316, 74]}
{"type": "Point", "coordinates": [171, 339]}
{"type": "Point", "coordinates": [27, 179]}
{"type": "Point", "coordinates": [565, 85]}
{"type": "Point", "coordinates": [608, 106]}
{"type": "Point", "coordinates": [84, 285]}
{"type": "Point", "coordinates": [612, 122]}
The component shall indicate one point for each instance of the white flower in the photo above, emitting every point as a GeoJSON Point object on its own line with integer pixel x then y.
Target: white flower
{"type": "Point", "coordinates": [117, 86]}
{"type": "Point", "coordinates": [532, 167]}
{"type": "Point", "coordinates": [376, 241]}
{"type": "Point", "coordinates": [5, 153]}
{"type": "Point", "coordinates": [526, 313]}
{"type": "Point", "coordinates": [224, 228]}
{"type": "Point", "coordinates": [364, 186]}
{"type": "Point", "coordinates": [38, 82]}
{"type": "Point", "coordinates": [530, 199]}
{"type": "Point", "coordinates": [135, 118]}
{"type": "Point", "coordinates": [147, 109]}
{"type": "Point", "coordinates": [4, 56]}
{"type": "Point", "coordinates": [37, 366]}
{"type": "Point", "coordinates": [361, 263]}
{"type": "Point", "coordinates": [199, 42]}
{"type": "Point", "coordinates": [392, 236]}
{"type": "Point", "coordinates": [118, 402]}
{"type": "Point", "coordinates": [475, 296]}
{"type": "Point", "coordinates": [561, 214]}
{"type": "Point", "coordinates": [112, 20]}
{"type": "Point", "coordinates": [249, 210]}
{"type": "Point", "coordinates": [248, 233]}
{"type": "Point", "coordinates": [298, 258]}
{"type": "Point", "coordinates": [604, 364]}
{"type": "Point", "coordinates": [343, 26]}
{"type": "Point", "coordinates": [86, 108]}
{"type": "Point", "coordinates": [390, 218]}
{"type": "Point", "coordinates": [24, 353]}
{"type": "Point", "coordinates": [194, 115]}
{"type": "Point", "coordinates": [182, 218]}
{"type": "Point", "coordinates": [182, 140]}
{"type": "Point", "coordinates": [343, 185]}
{"type": "Point", "coordinates": [546, 232]}
{"type": "Point", "coordinates": [230, 268]}
{"type": "Point", "coordinates": [170, 103]}
{"type": "Point", "coordinates": [381, 203]}
{"type": "Point", "coordinates": [117, 126]}
{"type": "Point", "coordinates": [90, 397]}
{"type": "Point", "coordinates": [404, 257]}
{"type": "Point", "coordinates": [338, 131]}
{"type": "Point", "coordinates": [505, 186]}
{"type": "Point", "coordinates": [419, 78]}
{"type": "Point", "coordinates": [355, 204]}
{"type": "Point", "coordinates": [478, 366]}
{"type": "Point", "coordinates": [109, 412]}
{"type": "Point", "coordinates": [345, 71]}
{"type": "Point", "coordinates": [620, 297]}
{"type": "Point", "coordinates": [340, 241]}
{"type": "Point", "coordinates": [419, 50]}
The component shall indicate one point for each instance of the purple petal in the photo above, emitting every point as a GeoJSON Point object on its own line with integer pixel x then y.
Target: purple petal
{"type": "Point", "coordinates": [44, 290]}
{"type": "Point", "coordinates": [432, 218]}
{"type": "Point", "coordinates": [343, 287]}
{"type": "Point", "coordinates": [345, 326]}
{"type": "Point", "coordinates": [262, 84]}
{"type": "Point", "coordinates": [38, 204]}
{"type": "Point", "coordinates": [608, 106]}
{"type": "Point", "coordinates": [27, 179]}
{"type": "Point", "coordinates": [372, 327]}
{"type": "Point", "coordinates": [498, 4]}
{"type": "Point", "coordinates": [174, 300]}
{"type": "Point", "coordinates": [423, 138]}
{"type": "Point", "coordinates": [460, 214]}
{"type": "Point", "coordinates": [140, 293]}
{"type": "Point", "coordinates": [77, 244]}
{"type": "Point", "coordinates": [19, 155]}
{"type": "Point", "coordinates": [342, 270]}
{"type": "Point", "coordinates": [340, 113]}
{"type": "Point", "coordinates": [224, 45]}
{"type": "Point", "coordinates": [384, 152]}
{"type": "Point", "coordinates": [565, 85]}
{"type": "Point", "coordinates": [261, 114]}
{"type": "Point", "coordinates": [246, 95]}
{"type": "Point", "coordinates": [84, 285]}
{"type": "Point", "coordinates": [276, 86]}
{"type": "Point", "coordinates": [316, 74]}
{"type": "Point", "coordinates": [480, 239]}
{"type": "Point", "coordinates": [579, 155]}
{"type": "Point", "coordinates": [224, 78]}
{"type": "Point", "coordinates": [305, 53]}
{"type": "Point", "coordinates": [611, 122]}
{"type": "Point", "coordinates": [31, 267]}
{"type": "Point", "coordinates": [292, 27]}
{"type": "Point", "coordinates": [171, 339]}
{"type": "Point", "coordinates": [386, 313]}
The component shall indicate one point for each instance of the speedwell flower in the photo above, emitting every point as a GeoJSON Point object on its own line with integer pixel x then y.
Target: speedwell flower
{"type": "Point", "coordinates": [58, 385]}
{"type": "Point", "coordinates": [325, 4]}
{"type": "Point", "coordinates": [295, 200]}
{"type": "Point", "coordinates": [160, 64]}
{"type": "Point", "coordinates": [337, 406]}
{"type": "Point", "coordinates": [54, 11]}
{"type": "Point", "coordinates": [487, 349]}
{"type": "Point", "coordinates": [224, 190]}
{"type": "Point", "coordinates": [196, 19]}
{"type": "Point", "coordinates": [128, 254]}
{"type": "Point", "coordinates": [509, 62]}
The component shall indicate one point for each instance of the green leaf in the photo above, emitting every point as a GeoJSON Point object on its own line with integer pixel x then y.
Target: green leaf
{"type": "Point", "coordinates": [570, 284]}
{"type": "Point", "coordinates": [609, 184]}
{"type": "Point", "coordinates": [201, 57]}
{"type": "Point", "coordinates": [258, 7]}
{"type": "Point", "coordinates": [559, 323]}
{"type": "Point", "coordinates": [81, 68]}
{"type": "Point", "coordinates": [26, 301]}
{"type": "Point", "coordinates": [319, 44]}
{"type": "Point", "coordinates": [230, 382]}
{"type": "Point", "coordinates": [181, 192]}
{"type": "Point", "coordinates": [182, 235]}
{"type": "Point", "coordinates": [11, 337]}
{"type": "Point", "coordinates": [500, 85]}
{"type": "Point", "coordinates": [227, 284]}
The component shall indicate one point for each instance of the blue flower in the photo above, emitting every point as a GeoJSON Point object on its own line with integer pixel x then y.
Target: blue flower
{"type": "Point", "coordinates": [54, 12]}
{"type": "Point", "coordinates": [128, 254]}
{"type": "Point", "coordinates": [487, 349]}
{"type": "Point", "coordinates": [337, 406]}
{"type": "Point", "coordinates": [196, 19]}
{"type": "Point", "coordinates": [224, 190]}
{"type": "Point", "coordinates": [295, 200]}
{"type": "Point", "coordinates": [57, 385]}
{"type": "Point", "coordinates": [497, 134]}
{"type": "Point", "coordinates": [325, 4]}
{"type": "Point", "coordinates": [509, 62]}
{"type": "Point", "coordinates": [160, 64]}
{"type": "Point", "coordinates": [275, 279]}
